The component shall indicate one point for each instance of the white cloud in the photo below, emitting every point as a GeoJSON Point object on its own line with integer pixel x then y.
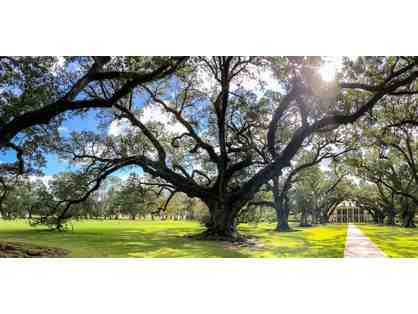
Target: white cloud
{"type": "Point", "coordinates": [63, 130]}
{"type": "Point", "coordinates": [119, 127]}
{"type": "Point", "coordinates": [330, 67]}
{"type": "Point", "coordinates": [356, 180]}
{"type": "Point", "coordinates": [151, 113]}
{"type": "Point", "coordinates": [44, 179]}
{"type": "Point", "coordinates": [122, 177]}
{"type": "Point", "coordinates": [61, 61]}
{"type": "Point", "coordinates": [325, 164]}
{"type": "Point", "coordinates": [256, 79]}
{"type": "Point", "coordinates": [207, 82]}
{"type": "Point", "coordinates": [58, 66]}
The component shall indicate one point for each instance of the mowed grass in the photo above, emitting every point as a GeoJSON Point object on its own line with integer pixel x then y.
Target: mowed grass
{"type": "Point", "coordinates": [319, 241]}
{"type": "Point", "coordinates": [123, 238]}
{"type": "Point", "coordinates": [394, 241]}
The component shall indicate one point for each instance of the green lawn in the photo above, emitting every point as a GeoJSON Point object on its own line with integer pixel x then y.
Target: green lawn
{"type": "Point", "coordinates": [166, 239]}
{"type": "Point", "coordinates": [393, 241]}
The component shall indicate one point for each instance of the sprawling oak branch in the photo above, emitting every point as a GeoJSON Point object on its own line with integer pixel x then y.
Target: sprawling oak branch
{"type": "Point", "coordinates": [68, 102]}
{"type": "Point", "coordinates": [283, 160]}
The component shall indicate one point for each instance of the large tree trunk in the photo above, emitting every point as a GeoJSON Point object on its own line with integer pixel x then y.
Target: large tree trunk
{"type": "Point", "coordinates": [281, 207]}
{"type": "Point", "coordinates": [304, 219]}
{"type": "Point", "coordinates": [324, 218]}
{"type": "Point", "coordinates": [381, 219]}
{"type": "Point", "coordinates": [374, 217]}
{"type": "Point", "coordinates": [390, 221]}
{"type": "Point", "coordinates": [315, 216]}
{"type": "Point", "coordinates": [283, 219]}
{"type": "Point", "coordinates": [29, 210]}
{"type": "Point", "coordinates": [378, 217]}
{"type": "Point", "coordinates": [222, 223]}
{"type": "Point", "coordinates": [408, 219]}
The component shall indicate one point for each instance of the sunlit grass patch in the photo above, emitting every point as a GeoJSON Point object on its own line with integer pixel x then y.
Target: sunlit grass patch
{"type": "Point", "coordinates": [318, 241]}
{"type": "Point", "coordinates": [123, 238]}
{"type": "Point", "coordinates": [394, 241]}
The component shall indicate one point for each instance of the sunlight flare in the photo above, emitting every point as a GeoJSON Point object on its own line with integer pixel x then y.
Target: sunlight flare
{"type": "Point", "coordinates": [328, 70]}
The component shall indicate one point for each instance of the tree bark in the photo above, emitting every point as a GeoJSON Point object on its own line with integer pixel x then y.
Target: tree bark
{"type": "Point", "coordinates": [304, 219]}
{"type": "Point", "coordinates": [381, 219]}
{"type": "Point", "coordinates": [390, 221]}
{"type": "Point", "coordinates": [324, 218]}
{"type": "Point", "coordinates": [378, 217]}
{"type": "Point", "coordinates": [281, 207]}
{"type": "Point", "coordinates": [283, 219]}
{"type": "Point", "coordinates": [375, 217]}
{"type": "Point", "coordinates": [408, 219]}
{"type": "Point", "coordinates": [222, 223]}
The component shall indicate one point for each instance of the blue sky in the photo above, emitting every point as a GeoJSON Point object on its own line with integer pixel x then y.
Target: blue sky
{"type": "Point", "coordinates": [54, 164]}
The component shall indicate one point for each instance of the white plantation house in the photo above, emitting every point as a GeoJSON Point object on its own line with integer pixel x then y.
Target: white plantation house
{"type": "Point", "coordinates": [348, 212]}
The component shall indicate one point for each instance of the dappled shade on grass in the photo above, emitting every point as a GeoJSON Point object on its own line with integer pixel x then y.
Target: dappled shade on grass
{"type": "Point", "coordinates": [319, 241]}
{"type": "Point", "coordinates": [168, 239]}
{"type": "Point", "coordinates": [394, 241]}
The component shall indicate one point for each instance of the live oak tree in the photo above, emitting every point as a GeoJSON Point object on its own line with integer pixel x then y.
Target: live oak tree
{"type": "Point", "coordinates": [106, 194]}
{"type": "Point", "coordinates": [366, 197]}
{"type": "Point", "coordinates": [337, 190]}
{"type": "Point", "coordinates": [23, 198]}
{"type": "Point", "coordinates": [5, 191]}
{"type": "Point", "coordinates": [394, 184]}
{"type": "Point", "coordinates": [182, 207]}
{"type": "Point", "coordinates": [388, 158]}
{"type": "Point", "coordinates": [207, 147]}
{"type": "Point", "coordinates": [390, 191]}
{"type": "Point", "coordinates": [63, 188]}
{"type": "Point", "coordinates": [14, 198]}
{"type": "Point", "coordinates": [134, 199]}
{"type": "Point", "coordinates": [316, 150]}
{"type": "Point", "coordinates": [399, 144]}
{"type": "Point", "coordinates": [317, 193]}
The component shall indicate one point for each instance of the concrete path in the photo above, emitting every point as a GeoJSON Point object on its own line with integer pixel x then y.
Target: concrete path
{"type": "Point", "coordinates": [358, 245]}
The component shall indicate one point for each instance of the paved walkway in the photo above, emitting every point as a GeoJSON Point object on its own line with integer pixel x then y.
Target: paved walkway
{"type": "Point", "coordinates": [358, 245]}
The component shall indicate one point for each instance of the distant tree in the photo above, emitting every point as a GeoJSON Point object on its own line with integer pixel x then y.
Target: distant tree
{"type": "Point", "coordinates": [317, 193]}
{"type": "Point", "coordinates": [134, 198]}
{"type": "Point", "coordinates": [388, 159]}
